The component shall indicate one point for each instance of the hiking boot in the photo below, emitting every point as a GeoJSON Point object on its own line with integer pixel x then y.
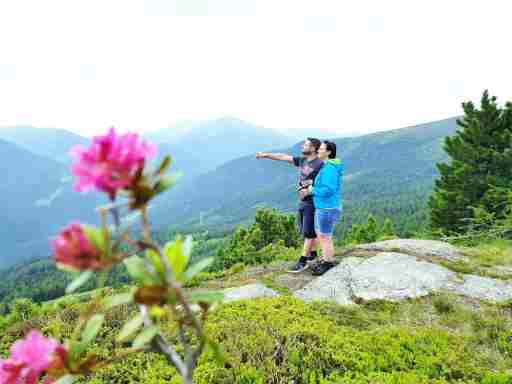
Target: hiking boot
{"type": "Point", "coordinates": [311, 260]}
{"type": "Point", "coordinates": [313, 263]}
{"type": "Point", "coordinates": [301, 265]}
{"type": "Point", "coordinates": [322, 267]}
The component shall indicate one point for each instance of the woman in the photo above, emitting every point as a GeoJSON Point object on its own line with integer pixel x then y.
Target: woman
{"type": "Point", "coordinates": [326, 192]}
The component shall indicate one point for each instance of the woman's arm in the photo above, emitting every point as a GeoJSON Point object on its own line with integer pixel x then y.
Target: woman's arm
{"type": "Point", "coordinates": [325, 183]}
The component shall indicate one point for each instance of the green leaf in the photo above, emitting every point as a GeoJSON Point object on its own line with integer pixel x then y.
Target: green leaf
{"type": "Point", "coordinates": [120, 299]}
{"type": "Point", "coordinates": [198, 267]}
{"type": "Point", "coordinates": [154, 258]}
{"type": "Point", "coordinates": [145, 336]}
{"type": "Point", "coordinates": [178, 260]}
{"type": "Point", "coordinates": [75, 349]}
{"type": "Point", "coordinates": [79, 281]}
{"type": "Point", "coordinates": [96, 237]}
{"type": "Point", "coordinates": [92, 328]}
{"type": "Point", "coordinates": [66, 379]}
{"type": "Point", "coordinates": [130, 327]}
{"type": "Point", "coordinates": [137, 270]}
{"type": "Point", "coordinates": [164, 165]}
{"type": "Point", "coordinates": [207, 297]}
{"type": "Point", "coordinates": [166, 182]}
{"type": "Point", "coordinates": [216, 350]}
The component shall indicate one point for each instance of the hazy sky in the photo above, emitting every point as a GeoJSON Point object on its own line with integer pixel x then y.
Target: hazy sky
{"type": "Point", "coordinates": [339, 65]}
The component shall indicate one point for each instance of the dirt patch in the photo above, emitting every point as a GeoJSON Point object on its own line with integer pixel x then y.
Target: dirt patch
{"type": "Point", "coordinates": [294, 281]}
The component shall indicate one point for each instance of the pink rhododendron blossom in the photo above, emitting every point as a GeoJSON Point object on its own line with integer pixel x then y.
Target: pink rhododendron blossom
{"type": "Point", "coordinates": [10, 371]}
{"type": "Point", "coordinates": [110, 163]}
{"type": "Point", "coordinates": [29, 358]}
{"type": "Point", "coordinates": [72, 249]}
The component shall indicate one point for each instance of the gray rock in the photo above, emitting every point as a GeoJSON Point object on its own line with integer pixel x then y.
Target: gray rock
{"type": "Point", "coordinates": [421, 248]}
{"type": "Point", "coordinates": [483, 288]}
{"type": "Point", "coordinates": [333, 285]}
{"type": "Point", "coordinates": [251, 291]}
{"type": "Point", "coordinates": [395, 276]}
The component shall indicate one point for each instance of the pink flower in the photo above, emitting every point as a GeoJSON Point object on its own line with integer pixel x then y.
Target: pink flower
{"type": "Point", "coordinates": [110, 163]}
{"type": "Point", "coordinates": [30, 358]}
{"type": "Point", "coordinates": [10, 371]}
{"type": "Point", "coordinates": [72, 249]}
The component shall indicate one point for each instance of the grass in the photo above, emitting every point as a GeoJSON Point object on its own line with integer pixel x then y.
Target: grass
{"type": "Point", "coordinates": [268, 281]}
{"type": "Point", "coordinates": [483, 259]}
{"type": "Point", "coordinates": [490, 254]}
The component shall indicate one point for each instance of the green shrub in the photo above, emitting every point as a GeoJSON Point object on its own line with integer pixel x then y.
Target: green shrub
{"type": "Point", "coordinates": [148, 368]}
{"type": "Point", "coordinates": [443, 304]}
{"type": "Point", "coordinates": [284, 340]}
{"type": "Point", "coordinates": [273, 236]}
{"type": "Point", "coordinates": [370, 232]}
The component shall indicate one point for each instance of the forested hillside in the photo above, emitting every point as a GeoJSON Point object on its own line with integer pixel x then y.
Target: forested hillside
{"type": "Point", "coordinates": [37, 199]}
{"type": "Point", "coordinates": [387, 173]}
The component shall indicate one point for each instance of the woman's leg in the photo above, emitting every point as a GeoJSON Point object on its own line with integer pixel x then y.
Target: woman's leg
{"type": "Point", "coordinates": [324, 223]}
{"type": "Point", "coordinates": [327, 247]}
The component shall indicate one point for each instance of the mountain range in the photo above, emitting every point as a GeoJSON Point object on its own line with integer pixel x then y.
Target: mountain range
{"type": "Point", "coordinates": [37, 197]}
{"type": "Point", "coordinates": [48, 142]}
{"type": "Point", "coordinates": [224, 183]}
{"type": "Point", "coordinates": [36, 200]}
{"type": "Point", "coordinates": [390, 166]}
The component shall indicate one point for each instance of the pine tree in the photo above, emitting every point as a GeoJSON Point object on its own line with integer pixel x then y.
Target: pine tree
{"type": "Point", "coordinates": [372, 229]}
{"type": "Point", "coordinates": [480, 166]}
{"type": "Point", "coordinates": [387, 228]}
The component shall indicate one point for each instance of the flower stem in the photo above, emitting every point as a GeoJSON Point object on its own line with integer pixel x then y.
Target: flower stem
{"type": "Point", "coordinates": [145, 224]}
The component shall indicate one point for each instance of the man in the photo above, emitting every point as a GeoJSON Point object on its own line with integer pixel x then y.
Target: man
{"type": "Point", "coordinates": [309, 165]}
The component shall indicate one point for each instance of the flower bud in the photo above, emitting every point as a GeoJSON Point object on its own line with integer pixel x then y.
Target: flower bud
{"type": "Point", "coordinates": [73, 250]}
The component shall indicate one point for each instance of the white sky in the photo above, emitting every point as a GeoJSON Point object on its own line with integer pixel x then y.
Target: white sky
{"type": "Point", "coordinates": [338, 65]}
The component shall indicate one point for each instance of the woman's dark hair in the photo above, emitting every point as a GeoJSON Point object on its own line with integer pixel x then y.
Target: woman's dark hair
{"type": "Point", "coordinates": [331, 147]}
{"type": "Point", "coordinates": [315, 142]}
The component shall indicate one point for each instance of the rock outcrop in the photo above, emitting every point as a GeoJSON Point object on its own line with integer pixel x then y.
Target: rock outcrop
{"type": "Point", "coordinates": [390, 270]}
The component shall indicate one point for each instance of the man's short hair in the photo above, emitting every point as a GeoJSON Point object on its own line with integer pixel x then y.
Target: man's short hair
{"type": "Point", "coordinates": [331, 147]}
{"type": "Point", "coordinates": [315, 142]}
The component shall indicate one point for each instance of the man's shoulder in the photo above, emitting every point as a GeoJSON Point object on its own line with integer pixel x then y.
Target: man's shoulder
{"type": "Point", "coordinates": [299, 160]}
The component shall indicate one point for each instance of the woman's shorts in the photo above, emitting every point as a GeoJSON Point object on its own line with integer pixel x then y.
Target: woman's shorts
{"type": "Point", "coordinates": [325, 220]}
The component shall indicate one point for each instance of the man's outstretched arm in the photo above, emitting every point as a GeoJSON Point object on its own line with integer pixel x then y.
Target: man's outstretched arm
{"type": "Point", "coordinates": [275, 156]}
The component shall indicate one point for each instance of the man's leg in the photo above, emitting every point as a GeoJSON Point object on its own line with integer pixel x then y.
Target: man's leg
{"type": "Point", "coordinates": [309, 249]}
{"type": "Point", "coordinates": [303, 221]}
{"type": "Point", "coordinates": [310, 236]}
